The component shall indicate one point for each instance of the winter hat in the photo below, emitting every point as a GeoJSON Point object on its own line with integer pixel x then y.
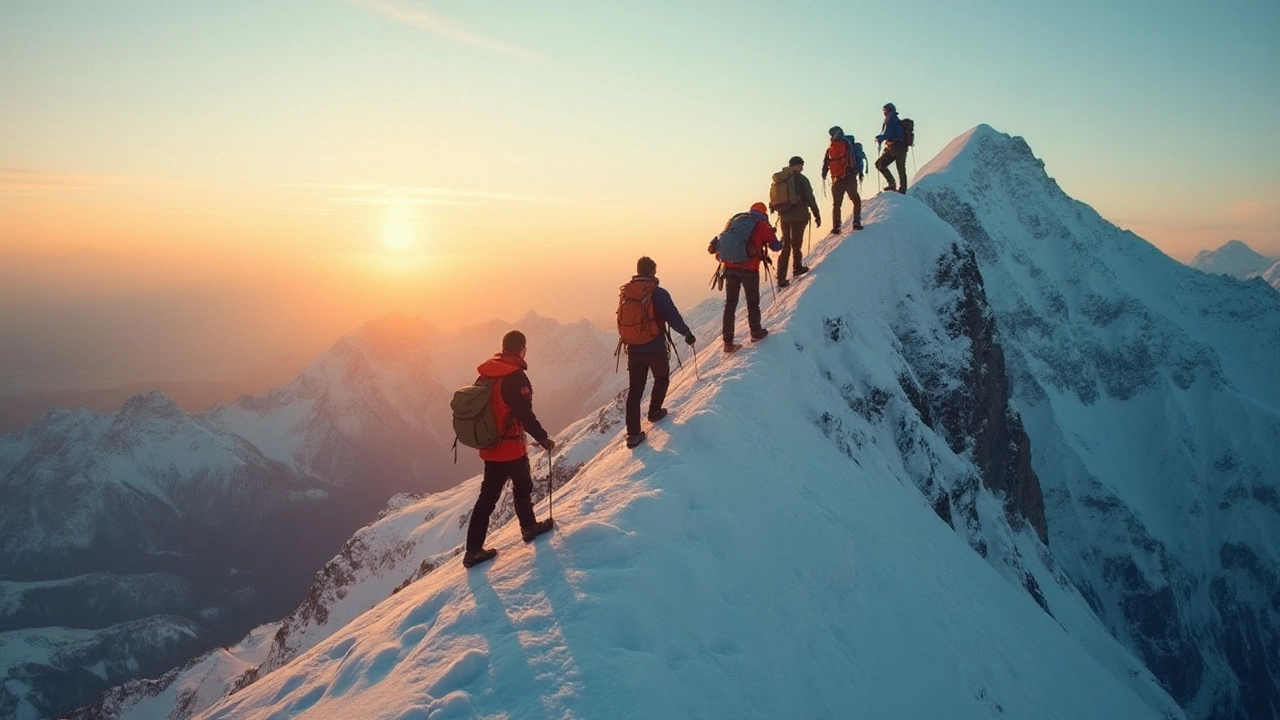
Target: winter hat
{"type": "Point", "coordinates": [835, 132]}
{"type": "Point", "coordinates": [795, 160]}
{"type": "Point", "coordinates": [760, 208]}
{"type": "Point", "coordinates": [889, 106]}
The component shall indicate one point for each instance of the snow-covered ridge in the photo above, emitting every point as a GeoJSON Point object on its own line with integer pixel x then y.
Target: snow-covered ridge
{"type": "Point", "coordinates": [799, 518]}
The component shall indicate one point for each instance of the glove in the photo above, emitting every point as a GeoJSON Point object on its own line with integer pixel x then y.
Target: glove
{"type": "Point", "coordinates": [689, 339]}
{"type": "Point", "coordinates": [817, 221]}
{"type": "Point", "coordinates": [548, 444]}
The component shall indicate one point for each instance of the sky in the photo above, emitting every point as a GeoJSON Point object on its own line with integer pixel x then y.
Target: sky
{"type": "Point", "coordinates": [187, 189]}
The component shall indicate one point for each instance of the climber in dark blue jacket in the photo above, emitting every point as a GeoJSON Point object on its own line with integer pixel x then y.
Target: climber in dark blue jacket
{"type": "Point", "coordinates": [895, 149]}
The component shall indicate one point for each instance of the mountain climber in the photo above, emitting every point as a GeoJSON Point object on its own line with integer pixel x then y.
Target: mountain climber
{"type": "Point", "coordinates": [847, 164]}
{"type": "Point", "coordinates": [745, 275]}
{"type": "Point", "coordinates": [509, 459]}
{"type": "Point", "coordinates": [895, 149]}
{"type": "Point", "coordinates": [651, 356]}
{"type": "Point", "coordinates": [795, 217]}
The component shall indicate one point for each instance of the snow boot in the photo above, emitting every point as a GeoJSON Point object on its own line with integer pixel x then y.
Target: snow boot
{"type": "Point", "coordinates": [783, 282]}
{"type": "Point", "coordinates": [633, 441]}
{"type": "Point", "coordinates": [758, 336]}
{"type": "Point", "coordinates": [529, 532]}
{"type": "Point", "coordinates": [474, 557]}
{"type": "Point", "coordinates": [657, 415]}
{"type": "Point", "coordinates": [801, 270]}
{"type": "Point", "coordinates": [857, 224]}
{"type": "Point", "coordinates": [731, 346]}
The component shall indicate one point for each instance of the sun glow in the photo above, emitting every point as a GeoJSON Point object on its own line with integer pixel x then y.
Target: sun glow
{"type": "Point", "coordinates": [398, 228]}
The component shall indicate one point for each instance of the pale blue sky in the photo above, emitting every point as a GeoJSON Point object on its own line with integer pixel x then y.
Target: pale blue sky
{"type": "Point", "coordinates": [559, 137]}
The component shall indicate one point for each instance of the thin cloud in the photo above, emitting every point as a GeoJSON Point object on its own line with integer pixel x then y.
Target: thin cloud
{"type": "Point", "coordinates": [378, 195]}
{"type": "Point", "coordinates": [430, 22]}
{"type": "Point", "coordinates": [14, 181]}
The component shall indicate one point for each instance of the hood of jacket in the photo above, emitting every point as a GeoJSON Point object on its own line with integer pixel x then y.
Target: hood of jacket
{"type": "Point", "coordinates": [501, 365]}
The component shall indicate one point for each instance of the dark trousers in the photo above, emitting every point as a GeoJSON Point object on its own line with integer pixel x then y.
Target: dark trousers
{"type": "Point", "coordinates": [847, 185]}
{"type": "Point", "coordinates": [792, 242]}
{"type": "Point", "coordinates": [639, 365]}
{"type": "Point", "coordinates": [495, 476]}
{"type": "Point", "coordinates": [894, 154]}
{"type": "Point", "coordinates": [748, 280]}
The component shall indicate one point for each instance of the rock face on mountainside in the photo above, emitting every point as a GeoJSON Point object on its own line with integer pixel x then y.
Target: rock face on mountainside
{"type": "Point", "coordinates": [971, 401]}
{"type": "Point", "coordinates": [1151, 398]}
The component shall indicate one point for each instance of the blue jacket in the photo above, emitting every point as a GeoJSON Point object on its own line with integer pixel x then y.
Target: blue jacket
{"type": "Point", "coordinates": [667, 314]}
{"type": "Point", "coordinates": [892, 129]}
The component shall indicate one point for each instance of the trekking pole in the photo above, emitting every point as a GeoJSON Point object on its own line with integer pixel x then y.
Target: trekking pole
{"type": "Point", "coordinates": [809, 241]}
{"type": "Point", "coordinates": [768, 275]}
{"type": "Point", "coordinates": [696, 376]}
{"type": "Point", "coordinates": [551, 480]}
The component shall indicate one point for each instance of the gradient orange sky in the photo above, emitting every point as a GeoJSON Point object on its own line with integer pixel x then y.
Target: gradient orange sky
{"type": "Point", "coordinates": [189, 188]}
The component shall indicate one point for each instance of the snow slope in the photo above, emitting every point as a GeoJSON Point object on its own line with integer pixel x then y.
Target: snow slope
{"type": "Point", "coordinates": [797, 539]}
{"type": "Point", "coordinates": [1152, 397]}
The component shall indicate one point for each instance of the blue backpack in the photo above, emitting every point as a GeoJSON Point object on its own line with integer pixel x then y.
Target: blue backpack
{"type": "Point", "coordinates": [734, 244]}
{"type": "Point", "coordinates": [856, 152]}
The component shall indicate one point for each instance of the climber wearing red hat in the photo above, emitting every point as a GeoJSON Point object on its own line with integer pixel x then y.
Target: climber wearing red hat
{"type": "Point", "coordinates": [746, 240]}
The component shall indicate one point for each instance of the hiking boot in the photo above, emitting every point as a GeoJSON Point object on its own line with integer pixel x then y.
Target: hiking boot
{"type": "Point", "coordinates": [783, 282]}
{"type": "Point", "coordinates": [474, 557]}
{"type": "Point", "coordinates": [657, 415]}
{"type": "Point", "coordinates": [730, 346]}
{"type": "Point", "coordinates": [801, 270]}
{"type": "Point", "coordinates": [529, 532]}
{"type": "Point", "coordinates": [857, 224]}
{"type": "Point", "coordinates": [891, 188]}
{"type": "Point", "coordinates": [758, 335]}
{"type": "Point", "coordinates": [634, 441]}
{"type": "Point", "coordinates": [903, 190]}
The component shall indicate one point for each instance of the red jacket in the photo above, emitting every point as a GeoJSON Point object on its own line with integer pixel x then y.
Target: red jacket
{"type": "Point", "coordinates": [512, 403]}
{"type": "Point", "coordinates": [761, 237]}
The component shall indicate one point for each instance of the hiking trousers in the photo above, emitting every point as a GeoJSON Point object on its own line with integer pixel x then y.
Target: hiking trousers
{"type": "Point", "coordinates": [639, 365]}
{"type": "Point", "coordinates": [894, 154]}
{"type": "Point", "coordinates": [845, 185]}
{"type": "Point", "coordinates": [496, 474]}
{"type": "Point", "coordinates": [792, 243]}
{"type": "Point", "coordinates": [748, 281]}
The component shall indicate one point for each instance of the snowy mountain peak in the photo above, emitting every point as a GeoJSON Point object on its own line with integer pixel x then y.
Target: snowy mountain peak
{"type": "Point", "coordinates": [1235, 258]}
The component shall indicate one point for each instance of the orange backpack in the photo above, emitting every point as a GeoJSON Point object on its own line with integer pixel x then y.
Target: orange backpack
{"type": "Point", "coordinates": [636, 323]}
{"type": "Point", "coordinates": [838, 158]}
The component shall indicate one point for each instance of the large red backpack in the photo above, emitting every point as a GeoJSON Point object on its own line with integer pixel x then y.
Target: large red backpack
{"type": "Point", "coordinates": [636, 322]}
{"type": "Point", "coordinates": [838, 160]}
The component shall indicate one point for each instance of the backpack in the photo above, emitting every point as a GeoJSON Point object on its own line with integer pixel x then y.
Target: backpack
{"type": "Point", "coordinates": [734, 244]}
{"type": "Point", "coordinates": [859, 158]}
{"type": "Point", "coordinates": [636, 322]}
{"type": "Point", "coordinates": [783, 195]}
{"type": "Point", "coordinates": [838, 157]}
{"type": "Point", "coordinates": [908, 131]}
{"type": "Point", "coordinates": [474, 424]}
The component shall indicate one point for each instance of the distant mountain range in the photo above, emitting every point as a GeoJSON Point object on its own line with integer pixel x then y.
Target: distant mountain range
{"type": "Point", "coordinates": [198, 527]}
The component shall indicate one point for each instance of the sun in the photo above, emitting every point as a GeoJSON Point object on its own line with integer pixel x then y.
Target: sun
{"type": "Point", "coordinates": [398, 229]}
